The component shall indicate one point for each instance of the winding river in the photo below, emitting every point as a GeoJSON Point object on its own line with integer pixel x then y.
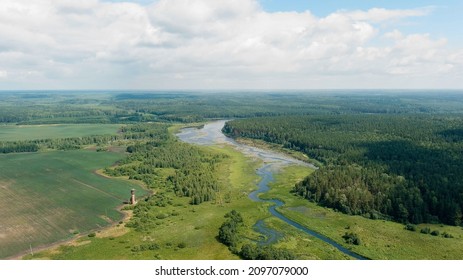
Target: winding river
{"type": "Point", "coordinates": [212, 134]}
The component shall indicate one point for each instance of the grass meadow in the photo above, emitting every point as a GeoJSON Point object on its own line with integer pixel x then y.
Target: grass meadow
{"type": "Point", "coordinates": [51, 196]}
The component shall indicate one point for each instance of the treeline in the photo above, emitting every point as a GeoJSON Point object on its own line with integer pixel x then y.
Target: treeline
{"type": "Point", "coordinates": [18, 147]}
{"type": "Point", "coordinates": [230, 234]}
{"type": "Point", "coordinates": [63, 144]}
{"type": "Point", "coordinates": [401, 167]}
{"type": "Point", "coordinates": [163, 162]}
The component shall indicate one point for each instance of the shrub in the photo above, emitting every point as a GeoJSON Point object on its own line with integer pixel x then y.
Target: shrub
{"type": "Point", "coordinates": [447, 235]}
{"type": "Point", "coordinates": [145, 247]}
{"type": "Point", "coordinates": [91, 234]}
{"type": "Point", "coordinates": [228, 231]}
{"type": "Point", "coordinates": [153, 246]}
{"type": "Point", "coordinates": [425, 230]}
{"type": "Point", "coordinates": [253, 252]}
{"type": "Point", "coordinates": [135, 249]}
{"type": "Point", "coordinates": [162, 216]}
{"type": "Point", "coordinates": [435, 233]}
{"type": "Point", "coordinates": [351, 238]}
{"type": "Point", "coordinates": [410, 227]}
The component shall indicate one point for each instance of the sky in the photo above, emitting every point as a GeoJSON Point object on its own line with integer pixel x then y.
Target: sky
{"type": "Point", "coordinates": [230, 44]}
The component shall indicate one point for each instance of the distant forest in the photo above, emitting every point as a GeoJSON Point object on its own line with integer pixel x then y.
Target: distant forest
{"type": "Point", "coordinates": [55, 107]}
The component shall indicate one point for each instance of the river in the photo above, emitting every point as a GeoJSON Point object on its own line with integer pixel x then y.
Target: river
{"type": "Point", "coordinates": [211, 134]}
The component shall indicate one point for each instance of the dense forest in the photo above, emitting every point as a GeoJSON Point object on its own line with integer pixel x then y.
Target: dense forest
{"type": "Point", "coordinates": [405, 167]}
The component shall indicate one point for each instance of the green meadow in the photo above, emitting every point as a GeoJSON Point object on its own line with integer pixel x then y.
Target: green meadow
{"type": "Point", "coordinates": [33, 132]}
{"type": "Point", "coordinates": [52, 196]}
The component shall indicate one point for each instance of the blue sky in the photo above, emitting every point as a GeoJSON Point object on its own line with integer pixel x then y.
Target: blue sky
{"type": "Point", "coordinates": [230, 44]}
{"type": "Point", "coordinates": [325, 7]}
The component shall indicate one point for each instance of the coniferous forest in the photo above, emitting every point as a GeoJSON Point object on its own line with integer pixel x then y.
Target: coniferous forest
{"type": "Point", "coordinates": [404, 167]}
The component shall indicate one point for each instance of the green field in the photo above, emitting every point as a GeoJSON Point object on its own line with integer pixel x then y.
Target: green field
{"type": "Point", "coordinates": [51, 196]}
{"type": "Point", "coordinates": [33, 132]}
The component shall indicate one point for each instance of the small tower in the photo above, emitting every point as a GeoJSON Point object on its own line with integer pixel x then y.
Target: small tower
{"type": "Point", "coordinates": [132, 197]}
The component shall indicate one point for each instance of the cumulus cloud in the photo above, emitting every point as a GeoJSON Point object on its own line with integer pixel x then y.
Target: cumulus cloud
{"type": "Point", "coordinates": [209, 44]}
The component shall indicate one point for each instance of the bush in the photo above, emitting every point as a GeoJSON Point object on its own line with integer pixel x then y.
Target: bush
{"type": "Point", "coordinates": [447, 235]}
{"type": "Point", "coordinates": [91, 234]}
{"type": "Point", "coordinates": [351, 238]}
{"type": "Point", "coordinates": [228, 231]}
{"type": "Point", "coordinates": [162, 216]}
{"type": "Point", "coordinates": [145, 247]}
{"type": "Point", "coordinates": [410, 227]}
{"type": "Point", "coordinates": [253, 252]}
{"type": "Point", "coordinates": [425, 230]}
{"type": "Point", "coordinates": [181, 245]}
{"type": "Point", "coordinates": [153, 246]}
{"type": "Point", "coordinates": [435, 233]}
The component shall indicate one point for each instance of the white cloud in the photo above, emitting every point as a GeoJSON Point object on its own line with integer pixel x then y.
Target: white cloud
{"type": "Point", "coordinates": [3, 74]}
{"type": "Point", "coordinates": [209, 43]}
